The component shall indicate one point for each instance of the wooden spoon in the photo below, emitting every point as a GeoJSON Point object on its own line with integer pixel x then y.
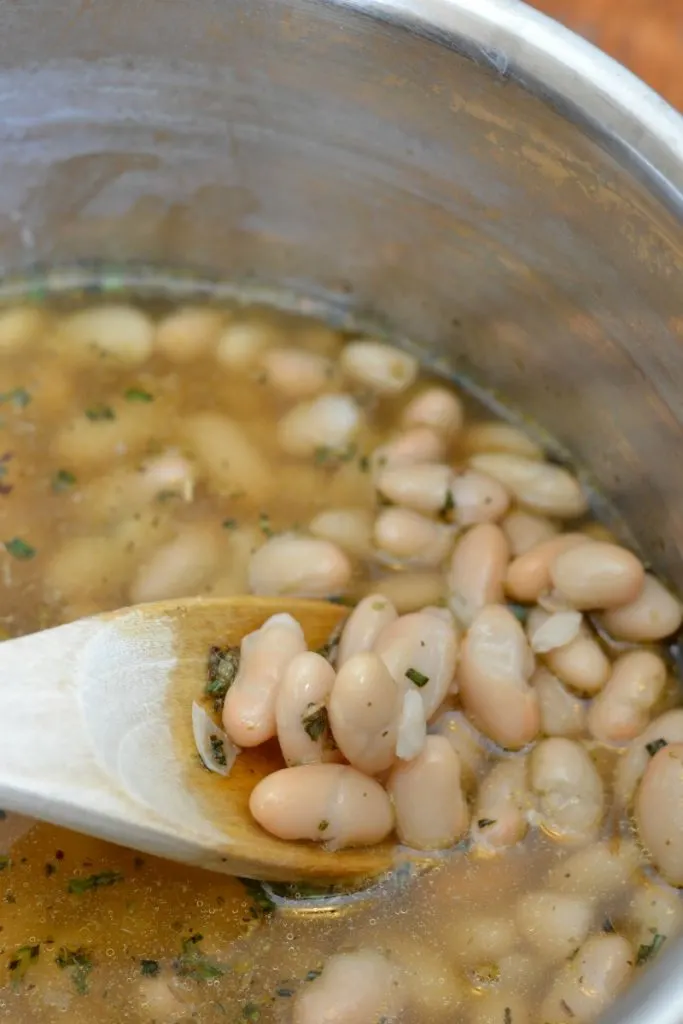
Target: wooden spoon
{"type": "Point", "coordinates": [96, 735]}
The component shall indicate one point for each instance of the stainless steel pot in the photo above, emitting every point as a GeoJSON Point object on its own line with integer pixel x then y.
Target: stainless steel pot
{"type": "Point", "coordinates": [468, 173]}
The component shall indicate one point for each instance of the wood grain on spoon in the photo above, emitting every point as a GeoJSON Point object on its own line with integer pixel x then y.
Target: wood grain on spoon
{"type": "Point", "coordinates": [96, 735]}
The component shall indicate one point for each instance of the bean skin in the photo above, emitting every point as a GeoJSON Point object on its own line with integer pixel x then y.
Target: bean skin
{"type": "Point", "coordinates": [654, 615]}
{"type": "Point", "coordinates": [348, 528]}
{"type": "Point", "coordinates": [249, 708]}
{"type": "Point", "coordinates": [299, 567]}
{"type": "Point", "coordinates": [424, 487]}
{"type": "Point", "coordinates": [596, 575]}
{"type": "Point", "coordinates": [437, 408]}
{"type": "Point", "coordinates": [431, 810]}
{"type": "Point", "coordinates": [477, 571]}
{"type": "Point", "coordinates": [590, 981]}
{"type": "Point", "coordinates": [424, 646]}
{"type": "Point", "coordinates": [667, 728]}
{"type": "Point", "coordinates": [568, 790]}
{"type": "Point", "coordinates": [502, 806]}
{"type": "Point", "coordinates": [659, 812]}
{"type": "Point", "coordinates": [525, 531]}
{"type": "Point", "coordinates": [622, 710]}
{"type": "Point", "coordinates": [177, 569]}
{"type": "Point", "coordinates": [538, 486]}
{"type": "Point", "coordinates": [300, 701]}
{"type": "Point", "coordinates": [554, 924]}
{"type": "Point", "coordinates": [562, 714]}
{"type": "Point", "coordinates": [364, 625]}
{"type": "Point", "coordinates": [354, 988]}
{"type": "Point", "coordinates": [364, 708]}
{"type": "Point", "coordinates": [326, 803]}
{"type": "Point", "coordinates": [528, 576]}
{"type": "Point", "coordinates": [381, 368]}
{"type": "Point", "coordinates": [478, 498]}
{"type": "Point", "coordinates": [495, 666]}
{"type": "Point", "coordinates": [412, 538]}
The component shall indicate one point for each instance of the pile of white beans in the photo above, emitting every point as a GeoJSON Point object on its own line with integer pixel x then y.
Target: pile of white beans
{"type": "Point", "coordinates": [501, 685]}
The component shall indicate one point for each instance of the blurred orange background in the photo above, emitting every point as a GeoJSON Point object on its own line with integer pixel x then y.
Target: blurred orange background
{"type": "Point", "coordinates": [645, 35]}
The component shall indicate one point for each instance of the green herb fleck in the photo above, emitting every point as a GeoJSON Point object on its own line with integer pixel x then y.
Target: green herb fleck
{"type": "Point", "coordinates": [284, 991]}
{"type": "Point", "coordinates": [100, 412]}
{"type": "Point", "coordinates": [519, 611]}
{"type": "Point", "coordinates": [149, 968]}
{"type": "Point", "coordinates": [264, 524]}
{"type": "Point", "coordinates": [21, 960]}
{"type": "Point", "coordinates": [229, 524]}
{"type": "Point", "coordinates": [138, 395]}
{"type": "Point", "coordinates": [218, 750]}
{"type": "Point", "coordinates": [250, 1012]}
{"type": "Point", "coordinates": [62, 481]}
{"type": "Point", "coordinates": [221, 671]}
{"type": "Point", "coordinates": [364, 464]}
{"type": "Point", "coordinates": [486, 822]}
{"type": "Point", "coordinates": [79, 963]}
{"type": "Point", "coordinates": [312, 975]}
{"type": "Point", "coordinates": [98, 881]}
{"type": "Point", "coordinates": [192, 963]}
{"type": "Point", "coordinates": [417, 677]}
{"type": "Point", "coordinates": [345, 602]}
{"type": "Point", "coordinates": [19, 397]}
{"type": "Point", "coordinates": [50, 870]}
{"type": "Point", "coordinates": [507, 1015]}
{"type": "Point", "coordinates": [323, 825]}
{"type": "Point", "coordinates": [315, 722]}
{"type": "Point", "coordinates": [655, 746]}
{"type": "Point", "coordinates": [378, 606]}
{"type": "Point", "coordinates": [333, 457]}
{"type": "Point", "coordinates": [167, 495]}
{"type": "Point", "coordinates": [5, 862]}
{"type": "Point", "coordinates": [20, 549]}
{"type": "Point", "coordinates": [448, 505]}
{"type": "Point", "coordinates": [647, 952]}
{"type": "Point", "coordinates": [262, 904]}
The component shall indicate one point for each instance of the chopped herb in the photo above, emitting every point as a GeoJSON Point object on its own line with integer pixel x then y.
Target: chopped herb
{"type": "Point", "coordinates": [5, 862]}
{"type": "Point", "coordinates": [323, 826]}
{"type": "Point", "coordinates": [62, 481]}
{"type": "Point", "coordinates": [315, 722]}
{"type": "Point", "coordinates": [417, 677]}
{"type": "Point", "coordinates": [507, 1015]}
{"type": "Point", "coordinates": [378, 606]}
{"type": "Point", "coordinates": [50, 870]}
{"type": "Point", "coordinates": [655, 746]}
{"type": "Point", "coordinates": [192, 963]}
{"type": "Point", "coordinates": [312, 975]}
{"type": "Point", "coordinates": [262, 903]}
{"type": "Point", "coordinates": [250, 1012]}
{"type": "Point", "coordinates": [221, 670]}
{"type": "Point", "coordinates": [9, 897]}
{"type": "Point", "coordinates": [19, 397]}
{"type": "Point", "coordinates": [149, 968]}
{"type": "Point", "coordinates": [567, 1008]}
{"type": "Point", "coordinates": [229, 524]}
{"type": "Point", "coordinates": [218, 750]}
{"type": "Point", "coordinates": [486, 822]}
{"type": "Point", "coordinates": [98, 881]}
{"type": "Point", "coordinates": [519, 611]}
{"type": "Point", "coordinates": [3, 815]}
{"type": "Point", "coordinates": [345, 602]}
{"type": "Point", "coordinates": [80, 964]}
{"type": "Point", "coordinates": [100, 412]}
{"type": "Point", "coordinates": [647, 952]}
{"type": "Point", "coordinates": [448, 505]}
{"type": "Point", "coordinates": [332, 457]}
{"type": "Point", "coordinates": [264, 524]}
{"type": "Point", "coordinates": [21, 960]}
{"type": "Point", "coordinates": [284, 992]}
{"type": "Point", "coordinates": [20, 549]}
{"type": "Point", "coordinates": [364, 464]}
{"type": "Point", "coordinates": [166, 495]}
{"type": "Point", "coordinates": [138, 395]}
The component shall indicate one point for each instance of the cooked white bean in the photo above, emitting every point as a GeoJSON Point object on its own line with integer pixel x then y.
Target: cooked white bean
{"type": "Point", "coordinates": [653, 615]}
{"type": "Point", "coordinates": [445, 614]}
{"type": "Point", "coordinates": [525, 531]}
{"type": "Point", "coordinates": [528, 575]}
{"type": "Point", "coordinates": [569, 793]}
{"type": "Point", "coordinates": [180, 568]}
{"type": "Point", "coordinates": [539, 486]}
{"type": "Point", "coordinates": [412, 446]}
{"type": "Point", "coordinates": [232, 462]}
{"type": "Point", "coordinates": [600, 871]}
{"type": "Point", "coordinates": [502, 806]}
{"type": "Point", "coordinates": [188, 333]}
{"type": "Point", "coordinates": [654, 910]}
{"type": "Point", "coordinates": [581, 664]}
{"type": "Point", "coordinates": [107, 433]}
{"type": "Point", "coordinates": [667, 728]}
{"type": "Point", "coordinates": [477, 571]}
{"type": "Point", "coordinates": [120, 333]}
{"type": "Point", "coordinates": [500, 1008]}
{"type": "Point", "coordinates": [20, 327]}
{"type": "Point", "coordinates": [554, 923]}
{"type": "Point", "coordinates": [328, 422]}
{"type": "Point", "coordinates": [295, 373]}
{"type": "Point", "coordinates": [494, 436]}
{"type": "Point", "coordinates": [300, 710]}
{"type": "Point", "coordinates": [354, 988]}
{"type": "Point", "coordinates": [363, 626]}
{"type": "Point", "coordinates": [495, 665]}
{"type": "Point", "coordinates": [380, 367]}
{"type": "Point", "coordinates": [412, 727]}
{"type": "Point", "coordinates": [562, 714]}
{"type": "Point", "coordinates": [249, 708]}
{"type": "Point", "coordinates": [411, 591]}
{"type": "Point", "coordinates": [477, 498]}
{"type": "Point", "coordinates": [431, 810]}
{"type": "Point", "coordinates": [432, 988]}
{"type": "Point", "coordinates": [241, 543]}
{"type": "Point", "coordinates": [365, 708]}
{"type": "Point", "coordinates": [348, 528]}
{"type": "Point", "coordinates": [437, 408]}
{"type": "Point", "coordinates": [242, 342]}
{"type": "Point", "coordinates": [481, 938]}
{"type": "Point", "coordinates": [411, 537]}
{"type": "Point", "coordinates": [466, 742]}
{"type": "Point", "coordinates": [420, 650]}
{"type": "Point", "coordinates": [326, 803]}
{"type": "Point", "coordinates": [622, 710]}
{"type": "Point", "coordinates": [597, 575]}
{"type": "Point", "coordinates": [85, 569]}
{"type": "Point", "coordinates": [424, 487]}
{"type": "Point", "coordinates": [300, 567]}
{"type": "Point", "coordinates": [659, 811]}
{"type": "Point", "coordinates": [547, 631]}
{"type": "Point", "coordinates": [590, 981]}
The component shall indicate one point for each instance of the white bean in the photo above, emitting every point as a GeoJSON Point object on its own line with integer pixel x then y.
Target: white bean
{"type": "Point", "coordinates": [525, 531]}
{"type": "Point", "coordinates": [553, 923]}
{"type": "Point", "coordinates": [354, 988]}
{"type": "Point", "coordinates": [502, 806]}
{"type": "Point", "coordinates": [548, 632]}
{"type": "Point", "coordinates": [107, 433]}
{"type": "Point", "coordinates": [20, 327]}
{"type": "Point", "coordinates": [180, 568]}
{"type": "Point", "coordinates": [120, 333]}
{"type": "Point", "coordinates": [437, 408]}
{"type": "Point", "coordinates": [494, 436]}
{"type": "Point", "coordinates": [466, 742]}
{"type": "Point", "coordinates": [424, 487]}
{"type": "Point", "coordinates": [597, 575]}
{"type": "Point", "coordinates": [242, 342]}
{"type": "Point", "coordinates": [326, 803]}
{"type": "Point", "coordinates": [188, 333]}
{"type": "Point", "coordinates": [411, 591]}
{"type": "Point", "coordinates": [477, 571]}
{"type": "Point", "coordinates": [600, 871]}
{"type": "Point", "coordinates": [538, 486]}
{"type": "Point", "coordinates": [233, 463]}
{"type": "Point", "coordinates": [432, 988]}
{"type": "Point", "coordinates": [412, 538]}
{"type": "Point", "coordinates": [495, 666]}
{"type": "Point", "coordinates": [569, 792]}
{"type": "Point", "coordinates": [622, 710]}
{"type": "Point", "coordinates": [348, 528]}
{"type": "Point", "coordinates": [528, 575]}
{"type": "Point", "coordinates": [330, 422]}
{"type": "Point", "coordinates": [412, 446]}
{"type": "Point", "coordinates": [477, 498]}
{"type": "Point", "coordinates": [169, 473]}
{"type": "Point", "coordinates": [364, 709]}
{"type": "Point", "coordinates": [659, 812]}
{"type": "Point", "coordinates": [581, 664]}
{"type": "Point", "coordinates": [420, 650]}
{"type": "Point", "coordinates": [85, 569]}
{"type": "Point", "coordinates": [300, 710]}
{"type": "Point", "coordinates": [295, 373]}
{"type": "Point", "coordinates": [590, 981]}
{"type": "Point", "coordinates": [653, 615]}
{"type": "Point", "coordinates": [382, 368]}
{"type": "Point", "coordinates": [667, 728]}
{"type": "Point", "coordinates": [364, 625]}
{"type": "Point", "coordinates": [481, 938]}
{"type": "Point", "coordinates": [249, 708]}
{"type": "Point", "coordinates": [654, 910]}
{"type": "Point", "coordinates": [562, 714]}
{"type": "Point", "coordinates": [299, 567]}
{"type": "Point", "coordinates": [431, 810]}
